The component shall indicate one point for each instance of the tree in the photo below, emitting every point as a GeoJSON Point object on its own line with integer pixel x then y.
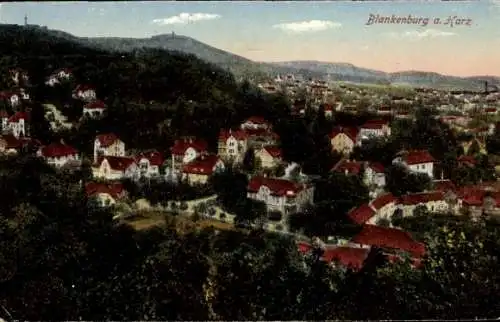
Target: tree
{"type": "Point", "coordinates": [249, 160]}
{"type": "Point", "coordinates": [397, 217]}
{"type": "Point", "coordinates": [399, 181]}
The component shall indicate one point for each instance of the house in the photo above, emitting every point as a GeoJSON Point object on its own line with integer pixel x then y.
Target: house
{"type": "Point", "coordinates": [348, 257]}
{"type": "Point", "coordinates": [402, 115]}
{"type": "Point", "coordinates": [255, 123]}
{"type": "Point", "coordinates": [108, 145]}
{"type": "Point", "coordinates": [58, 76]}
{"type": "Point", "coordinates": [384, 110]}
{"type": "Point", "coordinates": [361, 214]}
{"type": "Point", "coordinates": [491, 111]}
{"type": "Point", "coordinates": [63, 73]}
{"type": "Point", "coordinates": [114, 168]}
{"type": "Point", "coordinates": [149, 163]}
{"type": "Point", "coordinates": [199, 170]}
{"type": "Point", "coordinates": [418, 161]}
{"type": "Point", "coordinates": [4, 116]}
{"type": "Point", "coordinates": [269, 156]}
{"type": "Point", "coordinates": [466, 161]}
{"type": "Point", "coordinates": [17, 124]}
{"type": "Point", "coordinates": [382, 207]}
{"type": "Point", "coordinates": [9, 144]}
{"type": "Point", "coordinates": [328, 110]}
{"type": "Point", "coordinates": [233, 145]}
{"type": "Point", "coordinates": [105, 194]}
{"type": "Point", "coordinates": [94, 109]}
{"type": "Point", "coordinates": [434, 201]}
{"type": "Point", "coordinates": [373, 172]}
{"type": "Point", "coordinates": [373, 129]}
{"type": "Point", "coordinates": [13, 99]}
{"type": "Point", "coordinates": [343, 139]}
{"type": "Point", "coordinates": [84, 92]}
{"type": "Point", "coordinates": [390, 239]}
{"type": "Point", "coordinates": [187, 150]}
{"type": "Point", "coordinates": [19, 76]}
{"type": "Point", "coordinates": [444, 185]}
{"type": "Point", "coordinates": [58, 154]}
{"type": "Point", "coordinates": [281, 195]}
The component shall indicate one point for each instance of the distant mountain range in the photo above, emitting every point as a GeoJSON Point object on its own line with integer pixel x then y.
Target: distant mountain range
{"type": "Point", "coordinates": [349, 72]}
{"type": "Point", "coordinates": [243, 67]}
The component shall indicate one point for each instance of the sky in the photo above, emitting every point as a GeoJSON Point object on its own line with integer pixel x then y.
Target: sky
{"type": "Point", "coordinates": [296, 30]}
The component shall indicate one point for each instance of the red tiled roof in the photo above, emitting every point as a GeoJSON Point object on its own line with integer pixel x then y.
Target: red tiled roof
{"type": "Point", "coordinates": [418, 157]}
{"type": "Point", "coordinates": [273, 151]}
{"type": "Point", "coordinates": [239, 135]}
{"type": "Point", "coordinates": [383, 200]}
{"type": "Point", "coordinates": [257, 120]}
{"type": "Point", "coordinates": [95, 105]}
{"type": "Point", "coordinates": [352, 167]}
{"type": "Point", "coordinates": [304, 247]}
{"type": "Point", "coordinates": [278, 187]}
{"type": "Point", "coordinates": [327, 107]}
{"type": "Point", "coordinates": [84, 88]}
{"type": "Point", "coordinates": [361, 214]}
{"type": "Point", "coordinates": [154, 157]}
{"type": "Point", "coordinates": [490, 110]}
{"type": "Point", "coordinates": [351, 257]}
{"type": "Point", "coordinates": [19, 116]}
{"type": "Point", "coordinates": [376, 167]}
{"type": "Point", "coordinates": [472, 197]}
{"type": "Point", "coordinates": [6, 95]}
{"type": "Point", "coordinates": [393, 258]}
{"type": "Point", "coordinates": [204, 164]}
{"type": "Point", "coordinates": [467, 159]}
{"type": "Point", "coordinates": [180, 146]}
{"type": "Point", "coordinates": [391, 238]}
{"type": "Point", "coordinates": [347, 256]}
{"type": "Point", "coordinates": [444, 185]}
{"type": "Point", "coordinates": [115, 190]}
{"type": "Point", "coordinates": [374, 124]}
{"type": "Point", "coordinates": [351, 132]}
{"type": "Point", "coordinates": [107, 139]}
{"type": "Point", "coordinates": [11, 142]}
{"type": "Point", "coordinates": [423, 197]}
{"type": "Point", "coordinates": [116, 163]}
{"type": "Point", "coordinates": [56, 150]}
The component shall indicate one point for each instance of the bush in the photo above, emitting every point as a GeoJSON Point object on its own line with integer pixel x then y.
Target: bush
{"type": "Point", "coordinates": [383, 222]}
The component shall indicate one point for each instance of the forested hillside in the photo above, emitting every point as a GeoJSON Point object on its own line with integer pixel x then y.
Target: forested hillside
{"type": "Point", "coordinates": [61, 259]}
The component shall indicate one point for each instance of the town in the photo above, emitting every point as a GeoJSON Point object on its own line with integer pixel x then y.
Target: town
{"type": "Point", "coordinates": [283, 189]}
{"type": "Point", "coordinates": [153, 185]}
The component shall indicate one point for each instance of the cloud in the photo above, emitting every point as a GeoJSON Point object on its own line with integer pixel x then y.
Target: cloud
{"type": "Point", "coordinates": [185, 18]}
{"type": "Point", "coordinates": [419, 35]}
{"type": "Point", "coordinates": [307, 26]}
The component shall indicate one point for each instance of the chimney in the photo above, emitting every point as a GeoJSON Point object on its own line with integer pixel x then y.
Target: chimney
{"type": "Point", "coordinates": [62, 141]}
{"type": "Point", "coordinates": [442, 175]}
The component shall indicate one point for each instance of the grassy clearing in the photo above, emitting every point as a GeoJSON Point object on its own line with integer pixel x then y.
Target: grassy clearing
{"type": "Point", "coordinates": [181, 223]}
